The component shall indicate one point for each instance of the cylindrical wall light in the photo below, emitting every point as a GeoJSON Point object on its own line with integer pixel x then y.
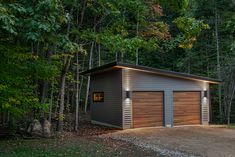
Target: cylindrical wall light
{"type": "Point", "coordinates": [205, 94]}
{"type": "Point", "coordinates": [128, 93]}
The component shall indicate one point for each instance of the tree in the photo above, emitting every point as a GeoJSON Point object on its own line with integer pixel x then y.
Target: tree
{"type": "Point", "coordinates": [51, 39]}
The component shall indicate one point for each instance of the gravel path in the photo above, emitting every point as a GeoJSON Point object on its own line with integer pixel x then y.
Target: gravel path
{"type": "Point", "coordinates": [181, 141]}
{"type": "Point", "coordinates": [161, 151]}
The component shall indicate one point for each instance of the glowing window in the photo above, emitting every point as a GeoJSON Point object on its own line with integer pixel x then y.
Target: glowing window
{"type": "Point", "coordinates": [98, 96]}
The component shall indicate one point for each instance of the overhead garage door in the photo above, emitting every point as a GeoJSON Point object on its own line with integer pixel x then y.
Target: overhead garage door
{"type": "Point", "coordinates": [147, 109]}
{"type": "Point", "coordinates": [187, 108]}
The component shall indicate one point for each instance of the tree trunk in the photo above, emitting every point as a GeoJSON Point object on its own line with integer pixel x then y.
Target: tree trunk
{"type": "Point", "coordinates": [69, 23]}
{"type": "Point", "coordinates": [80, 89]}
{"type": "Point", "coordinates": [99, 62]}
{"type": "Point", "coordinates": [51, 101]}
{"type": "Point", "coordinates": [116, 56]}
{"type": "Point", "coordinates": [44, 88]}
{"type": "Point", "coordinates": [77, 95]}
{"type": "Point", "coordinates": [218, 62]}
{"type": "Point", "coordinates": [82, 14]}
{"type": "Point", "coordinates": [137, 56]}
{"type": "Point", "coordinates": [230, 93]}
{"type": "Point", "coordinates": [230, 104]}
{"type": "Point", "coordinates": [73, 95]}
{"type": "Point", "coordinates": [62, 93]}
{"type": "Point", "coordinates": [137, 34]}
{"type": "Point", "coordinates": [67, 99]}
{"type": "Point", "coordinates": [81, 83]}
{"type": "Point", "coordinates": [88, 79]}
{"type": "Point", "coordinates": [64, 71]}
{"type": "Point", "coordinates": [122, 56]}
{"type": "Point", "coordinates": [188, 54]}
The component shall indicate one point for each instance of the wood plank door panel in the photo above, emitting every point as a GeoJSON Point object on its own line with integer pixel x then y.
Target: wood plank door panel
{"type": "Point", "coordinates": [147, 109]}
{"type": "Point", "coordinates": [187, 108]}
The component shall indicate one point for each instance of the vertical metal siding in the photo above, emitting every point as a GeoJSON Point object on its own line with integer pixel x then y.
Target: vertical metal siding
{"type": "Point", "coordinates": [127, 103]}
{"type": "Point", "coordinates": [205, 107]}
{"type": "Point", "coordinates": [143, 81]}
{"type": "Point", "coordinates": [168, 108]}
{"type": "Point", "coordinates": [109, 111]}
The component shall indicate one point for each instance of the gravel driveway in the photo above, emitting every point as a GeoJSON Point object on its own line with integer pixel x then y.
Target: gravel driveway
{"type": "Point", "coordinates": [181, 141]}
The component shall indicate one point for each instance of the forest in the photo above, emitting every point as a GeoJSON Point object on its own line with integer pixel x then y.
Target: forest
{"type": "Point", "coordinates": [45, 44]}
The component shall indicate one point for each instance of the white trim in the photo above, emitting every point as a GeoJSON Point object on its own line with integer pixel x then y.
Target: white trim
{"type": "Point", "coordinates": [178, 126]}
{"type": "Point", "coordinates": [207, 103]}
{"type": "Point", "coordinates": [150, 127]}
{"type": "Point", "coordinates": [202, 105]}
{"type": "Point", "coordinates": [123, 98]}
{"type": "Point", "coordinates": [105, 124]}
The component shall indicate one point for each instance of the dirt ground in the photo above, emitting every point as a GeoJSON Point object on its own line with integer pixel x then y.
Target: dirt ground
{"type": "Point", "coordinates": [181, 141]}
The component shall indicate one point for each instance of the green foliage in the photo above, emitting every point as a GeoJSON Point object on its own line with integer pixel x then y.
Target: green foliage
{"type": "Point", "coordinates": [43, 70]}
{"type": "Point", "coordinates": [177, 6]}
{"type": "Point", "coordinates": [37, 37]}
{"type": "Point", "coordinates": [7, 20]}
{"type": "Point", "coordinates": [34, 22]}
{"type": "Point", "coordinates": [191, 28]}
{"type": "Point", "coordinates": [158, 30]}
{"type": "Point", "coordinates": [19, 69]}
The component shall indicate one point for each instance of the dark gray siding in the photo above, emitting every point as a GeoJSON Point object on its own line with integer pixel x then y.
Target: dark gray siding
{"type": "Point", "coordinates": [109, 111]}
{"type": "Point", "coordinates": [134, 80]}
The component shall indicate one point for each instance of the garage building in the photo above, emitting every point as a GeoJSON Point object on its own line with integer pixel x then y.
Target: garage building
{"type": "Point", "coordinates": [129, 96]}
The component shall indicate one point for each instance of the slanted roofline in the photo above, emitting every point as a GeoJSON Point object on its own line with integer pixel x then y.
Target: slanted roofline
{"type": "Point", "coordinates": [150, 70]}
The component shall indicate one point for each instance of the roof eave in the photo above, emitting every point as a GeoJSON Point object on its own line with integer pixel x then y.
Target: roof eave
{"type": "Point", "coordinates": [151, 70]}
{"type": "Point", "coordinates": [109, 65]}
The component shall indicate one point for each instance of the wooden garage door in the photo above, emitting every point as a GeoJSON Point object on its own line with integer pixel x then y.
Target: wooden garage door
{"type": "Point", "coordinates": [187, 108]}
{"type": "Point", "coordinates": [147, 109]}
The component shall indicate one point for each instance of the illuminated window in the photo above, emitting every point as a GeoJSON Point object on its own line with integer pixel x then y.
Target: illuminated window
{"type": "Point", "coordinates": [98, 96]}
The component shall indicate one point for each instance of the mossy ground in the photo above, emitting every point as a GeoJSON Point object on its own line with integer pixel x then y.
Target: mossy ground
{"type": "Point", "coordinates": [75, 146]}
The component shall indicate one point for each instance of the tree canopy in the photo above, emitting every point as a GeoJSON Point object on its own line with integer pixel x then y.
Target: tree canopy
{"type": "Point", "coordinates": [44, 44]}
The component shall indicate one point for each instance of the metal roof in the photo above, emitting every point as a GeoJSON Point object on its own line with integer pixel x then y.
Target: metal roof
{"type": "Point", "coordinates": [168, 73]}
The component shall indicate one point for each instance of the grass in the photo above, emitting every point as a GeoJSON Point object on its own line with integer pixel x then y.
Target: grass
{"type": "Point", "coordinates": [231, 126]}
{"type": "Point", "coordinates": [51, 148]}
{"type": "Point", "coordinates": [74, 146]}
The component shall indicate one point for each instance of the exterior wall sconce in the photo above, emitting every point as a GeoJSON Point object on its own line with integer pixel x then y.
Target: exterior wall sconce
{"type": "Point", "coordinates": [128, 94]}
{"type": "Point", "coordinates": [205, 94]}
